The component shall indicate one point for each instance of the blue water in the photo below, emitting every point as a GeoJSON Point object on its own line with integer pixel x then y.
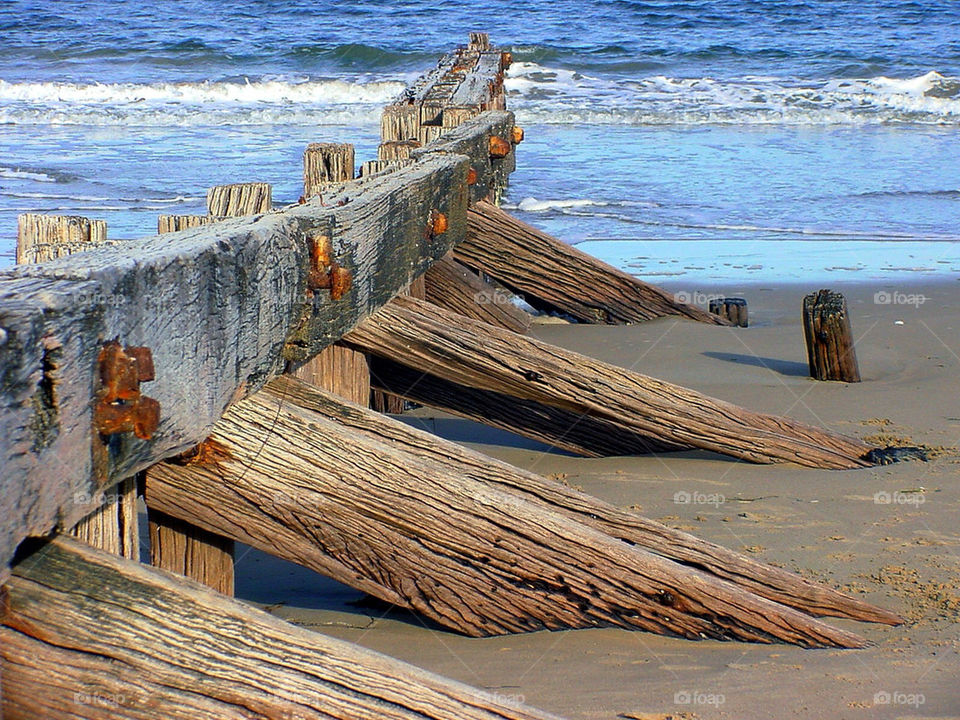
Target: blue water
{"type": "Point", "coordinates": [710, 140]}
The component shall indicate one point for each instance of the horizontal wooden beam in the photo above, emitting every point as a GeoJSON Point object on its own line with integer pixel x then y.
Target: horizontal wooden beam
{"type": "Point", "coordinates": [223, 308]}
{"type": "Point", "coordinates": [87, 635]}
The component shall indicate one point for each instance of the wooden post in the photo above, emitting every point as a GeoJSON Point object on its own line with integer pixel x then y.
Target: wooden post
{"type": "Point", "coordinates": [46, 237]}
{"type": "Point", "coordinates": [239, 199]}
{"type": "Point", "coordinates": [399, 123]}
{"type": "Point", "coordinates": [187, 550]}
{"type": "Point", "coordinates": [341, 370]}
{"type": "Point", "coordinates": [325, 163]}
{"type": "Point", "coordinates": [112, 524]}
{"type": "Point", "coordinates": [829, 337]}
{"type": "Point", "coordinates": [731, 309]}
{"type": "Point", "coordinates": [381, 400]}
{"type": "Point", "coordinates": [396, 149]}
{"type": "Point", "coordinates": [174, 223]}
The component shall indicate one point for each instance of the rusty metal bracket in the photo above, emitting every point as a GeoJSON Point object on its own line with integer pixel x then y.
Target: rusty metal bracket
{"type": "Point", "coordinates": [120, 406]}
{"type": "Point", "coordinates": [325, 271]}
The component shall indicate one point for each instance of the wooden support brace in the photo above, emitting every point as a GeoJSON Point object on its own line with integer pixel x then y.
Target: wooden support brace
{"type": "Point", "coordinates": [829, 337]}
{"type": "Point", "coordinates": [430, 339]}
{"type": "Point", "coordinates": [454, 535]}
{"type": "Point", "coordinates": [554, 276]}
{"type": "Point", "coordinates": [87, 635]}
{"type": "Point", "coordinates": [457, 288]}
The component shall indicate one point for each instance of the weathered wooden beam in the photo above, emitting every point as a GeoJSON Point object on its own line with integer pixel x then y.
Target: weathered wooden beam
{"type": "Point", "coordinates": [294, 475]}
{"type": "Point", "coordinates": [185, 549]}
{"type": "Point", "coordinates": [112, 522]}
{"type": "Point", "coordinates": [458, 289]}
{"type": "Point", "coordinates": [224, 308]}
{"type": "Point", "coordinates": [91, 636]}
{"type": "Point", "coordinates": [555, 276]}
{"type": "Point", "coordinates": [829, 338]}
{"type": "Point", "coordinates": [430, 339]}
{"type": "Point", "coordinates": [239, 199]}
{"type": "Point", "coordinates": [573, 432]}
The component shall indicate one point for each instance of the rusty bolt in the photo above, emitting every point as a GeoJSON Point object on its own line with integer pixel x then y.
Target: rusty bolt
{"type": "Point", "coordinates": [499, 148]}
{"type": "Point", "coordinates": [517, 134]}
{"type": "Point", "coordinates": [438, 223]}
{"type": "Point", "coordinates": [120, 405]}
{"type": "Point", "coordinates": [472, 176]}
{"type": "Point", "coordinates": [320, 262]}
{"type": "Point", "coordinates": [340, 282]}
{"type": "Point", "coordinates": [506, 60]}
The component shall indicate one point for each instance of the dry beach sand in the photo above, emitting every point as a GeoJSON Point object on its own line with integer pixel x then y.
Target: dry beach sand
{"type": "Point", "coordinates": [889, 533]}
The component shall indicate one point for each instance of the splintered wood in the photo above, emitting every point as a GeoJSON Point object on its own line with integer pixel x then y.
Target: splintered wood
{"type": "Point", "coordinates": [829, 337]}
{"type": "Point", "coordinates": [239, 199]}
{"type": "Point", "coordinates": [46, 237]}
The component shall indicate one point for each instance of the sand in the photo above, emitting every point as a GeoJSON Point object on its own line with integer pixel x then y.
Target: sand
{"type": "Point", "coordinates": [888, 533]}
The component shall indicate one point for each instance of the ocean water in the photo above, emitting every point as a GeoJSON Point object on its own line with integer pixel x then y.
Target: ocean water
{"type": "Point", "coordinates": [698, 141]}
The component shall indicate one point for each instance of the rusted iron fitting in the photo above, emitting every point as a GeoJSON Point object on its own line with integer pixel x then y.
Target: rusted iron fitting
{"type": "Point", "coordinates": [120, 406]}
{"type": "Point", "coordinates": [472, 176]}
{"type": "Point", "coordinates": [499, 148]}
{"type": "Point", "coordinates": [438, 223]}
{"type": "Point", "coordinates": [506, 60]}
{"type": "Point", "coordinates": [325, 271]}
{"type": "Point", "coordinates": [516, 134]}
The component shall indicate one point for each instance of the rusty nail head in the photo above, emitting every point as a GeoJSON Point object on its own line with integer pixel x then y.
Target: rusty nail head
{"type": "Point", "coordinates": [120, 406]}
{"type": "Point", "coordinates": [340, 282]}
{"type": "Point", "coordinates": [438, 223]}
{"type": "Point", "coordinates": [472, 176]}
{"type": "Point", "coordinates": [517, 134]}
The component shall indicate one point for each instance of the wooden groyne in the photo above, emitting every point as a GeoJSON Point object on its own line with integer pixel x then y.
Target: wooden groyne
{"type": "Point", "coordinates": [223, 370]}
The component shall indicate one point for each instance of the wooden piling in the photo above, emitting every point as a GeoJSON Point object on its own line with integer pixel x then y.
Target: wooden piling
{"type": "Point", "coordinates": [188, 550]}
{"type": "Point", "coordinates": [113, 522]}
{"type": "Point", "coordinates": [174, 223]}
{"type": "Point", "coordinates": [46, 237]}
{"type": "Point", "coordinates": [239, 199]}
{"type": "Point", "coordinates": [341, 370]}
{"type": "Point", "coordinates": [734, 310]}
{"type": "Point", "coordinates": [325, 163]}
{"type": "Point", "coordinates": [829, 337]}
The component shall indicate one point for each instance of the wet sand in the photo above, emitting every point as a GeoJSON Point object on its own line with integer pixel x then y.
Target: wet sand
{"type": "Point", "coordinates": [888, 534]}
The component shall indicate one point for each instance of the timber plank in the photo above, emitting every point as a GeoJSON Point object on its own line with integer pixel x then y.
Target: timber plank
{"type": "Point", "coordinates": [430, 339]}
{"type": "Point", "coordinates": [465, 552]}
{"type": "Point", "coordinates": [87, 635]}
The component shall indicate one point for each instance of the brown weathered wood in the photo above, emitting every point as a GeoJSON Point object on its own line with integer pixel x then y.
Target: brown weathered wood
{"type": "Point", "coordinates": [239, 199]}
{"type": "Point", "coordinates": [175, 223]}
{"type": "Point", "coordinates": [829, 337]}
{"type": "Point", "coordinates": [772, 583]}
{"type": "Point", "coordinates": [457, 288]}
{"type": "Point", "coordinates": [224, 308]}
{"type": "Point", "coordinates": [341, 370]}
{"type": "Point", "coordinates": [326, 163]}
{"type": "Point", "coordinates": [733, 310]}
{"type": "Point", "coordinates": [554, 276]}
{"type": "Point", "coordinates": [428, 338]}
{"type": "Point", "coordinates": [574, 432]}
{"type": "Point", "coordinates": [87, 635]}
{"type": "Point", "coordinates": [45, 237]}
{"type": "Point", "coordinates": [380, 399]}
{"type": "Point", "coordinates": [388, 518]}
{"type": "Point", "coordinates": [397, 150]}
{"type": "Point", "coordinates": [184, 549]}
{"type": "Point", "coordinates": [400, 123]}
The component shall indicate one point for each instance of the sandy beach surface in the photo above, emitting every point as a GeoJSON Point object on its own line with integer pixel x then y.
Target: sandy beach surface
{"type": "Point", "coordinates": [888, 534]}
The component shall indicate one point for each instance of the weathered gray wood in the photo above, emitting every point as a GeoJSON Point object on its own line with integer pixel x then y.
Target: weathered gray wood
{"type": "Point", "coordinates": [454, 287]}
{"type": "Point", "coordinates": [175, 223]}
{"type": "Point", "coordinates": [555, 276]}
{"type": "Point", "coordinates": [829, 337]}
{"type": "Point", "coordinates": [223, 308]}
{"type": "Point", "coordinates": [326, 163]}
{"type": "Point", "coordinates": [87, 635]}
{"type": "Point", "coordinates": [46, 237]}
{"type": "Point", "coordinates": [430, 339]}
{"type": "Point", "coordinates": [239, 199]}
{"type": "Point", "coordinates": [292, 470]}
